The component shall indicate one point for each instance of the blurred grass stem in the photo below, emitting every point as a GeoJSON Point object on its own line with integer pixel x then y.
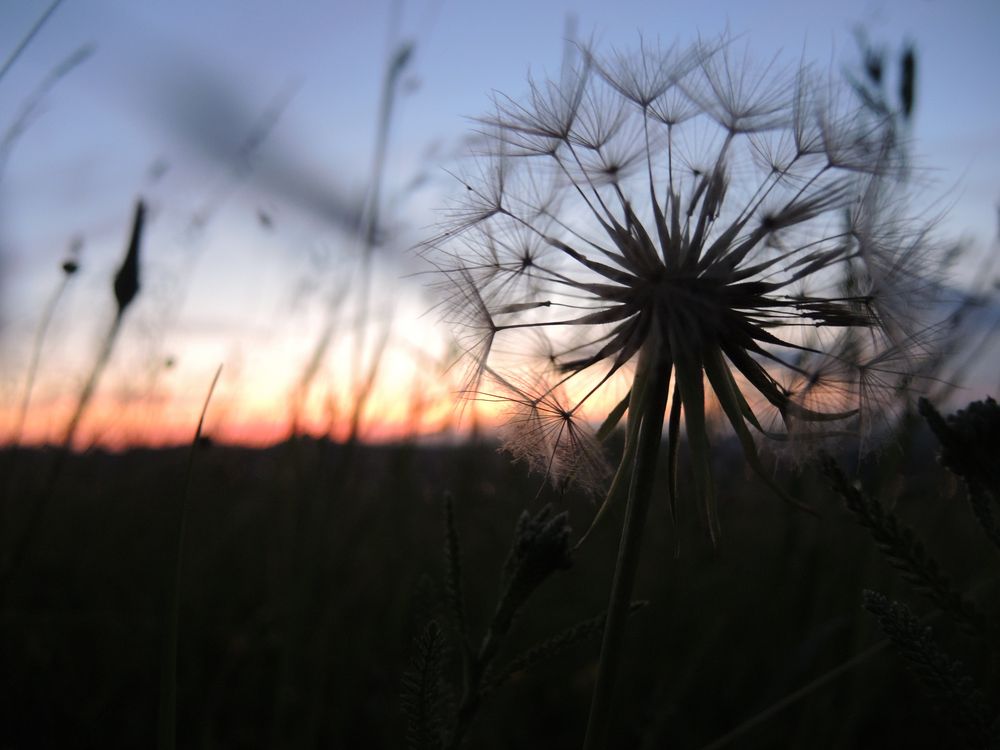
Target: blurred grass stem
{"type": "Point", "coordinates": [32, 106]}
{"type": "Point", "coordinates": [36, 354]}
{"type": "Point", "coordinates": [26, 40]}
{"type": "Point", "coordinates": [306, 621]}
{"type": "Point", "coordinates": [87, 392]}
{"type": "Point", "coordinates": [775, 708]}
{"type": "Point", "coordinates": [359, 377]}
{"type": "Point", "coordinates": [167, 722]}
{"type": "Point", "coordinates": [362, 382]}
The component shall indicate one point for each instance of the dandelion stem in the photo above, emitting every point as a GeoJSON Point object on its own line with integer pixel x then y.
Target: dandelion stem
{"type": "Point", "coordinates": [654, 403]}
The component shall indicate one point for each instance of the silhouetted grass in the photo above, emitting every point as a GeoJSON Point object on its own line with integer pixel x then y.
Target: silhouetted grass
{"type": "Point", "coordinates": [125, 287]}
{"type": "Point", "coordinates": [728, 632]}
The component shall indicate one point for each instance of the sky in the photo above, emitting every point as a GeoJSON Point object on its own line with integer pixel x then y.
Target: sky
{"type": "Point", "coordinates": [249, 129]}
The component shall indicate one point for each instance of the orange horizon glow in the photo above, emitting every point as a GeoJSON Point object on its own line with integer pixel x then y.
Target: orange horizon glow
{"type": "Point", "coordinates": [110, 425]}
{"type": "Point", "coordinates": [405, 405]}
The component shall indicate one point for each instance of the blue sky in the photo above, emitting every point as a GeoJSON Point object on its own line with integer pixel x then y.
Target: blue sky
{"type": "Point", "coordinates": [169, 93]}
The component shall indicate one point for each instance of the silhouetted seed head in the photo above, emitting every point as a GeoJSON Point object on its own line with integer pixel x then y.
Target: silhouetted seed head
{"type": "Point", "coordinates": [691, 202]}
{"type": "Point", "coordinates": [71, 264]}
{"type": "Point", "coordinates": [970, 440]}
{"type": "Point", "coordinates": [907, 81]}
{"type": "Point", "coordinates": [540, 547]}
{"type": "Point", "coordinates": [127, 278]}
{"type": "Point", "coordinates": [873, 66]}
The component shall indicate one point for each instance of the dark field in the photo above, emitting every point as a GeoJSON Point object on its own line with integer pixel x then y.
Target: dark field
{"type": "Point", "coordinates": [309, 569]}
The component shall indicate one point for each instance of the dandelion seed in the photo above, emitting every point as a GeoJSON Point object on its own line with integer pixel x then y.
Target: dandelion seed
{"type": "Point", "coordinates": [544, 431]}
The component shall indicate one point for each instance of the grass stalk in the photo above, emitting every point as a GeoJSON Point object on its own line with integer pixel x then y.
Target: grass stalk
{"type": "Point", "coordinates": [89, 388]}
{"type": "Point", "coordinates": [36, 356]}
{"type": "Point", "coordinates": [34, 101]}
{"type": "Point", "coordinates": [795, 696]}
{"type": "Point", "coordinates": [167, 720]}
{"type": "Point", "coordinates": [653, 405]}
{"type": "Point", "coordinates": [26, 39]}
{"type": "Point", "coordinates": [363, 281]}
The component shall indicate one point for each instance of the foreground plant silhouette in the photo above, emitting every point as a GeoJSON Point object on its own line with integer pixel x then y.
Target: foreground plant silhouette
{"type": "Point", "coordinates": [969, 441]}
{"type": "Point", "coordinates": [439, 713]}
{"type": "Point", "coordinates": [654, 220]}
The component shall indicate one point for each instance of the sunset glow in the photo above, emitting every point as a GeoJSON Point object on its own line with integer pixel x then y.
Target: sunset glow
{"type": "Point", "coordinates": [262, 251]}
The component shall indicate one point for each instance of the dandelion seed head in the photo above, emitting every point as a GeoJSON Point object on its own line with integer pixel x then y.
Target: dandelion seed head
{"type": "Point", "coordinates": [740, 224]}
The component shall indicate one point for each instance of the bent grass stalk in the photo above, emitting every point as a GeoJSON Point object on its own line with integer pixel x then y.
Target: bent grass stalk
{"type": "Point", "coordinates": [33, 103]}
{"type": "Point", "coordinates": [69, 269]}
{"type": "Point", "coordinates": [167, 722]}
{"type": "Point", "coordinates": [792, 698]}
{"type": "Point", "coordinates": [26, 39]}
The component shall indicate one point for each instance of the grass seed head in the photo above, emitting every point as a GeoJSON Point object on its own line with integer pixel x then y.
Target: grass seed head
{"type": "Point", "coordinates": [126, 283]}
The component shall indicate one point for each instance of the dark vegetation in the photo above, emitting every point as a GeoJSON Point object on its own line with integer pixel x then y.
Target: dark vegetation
{"type": "Point", "coordinates": [311, 568]}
